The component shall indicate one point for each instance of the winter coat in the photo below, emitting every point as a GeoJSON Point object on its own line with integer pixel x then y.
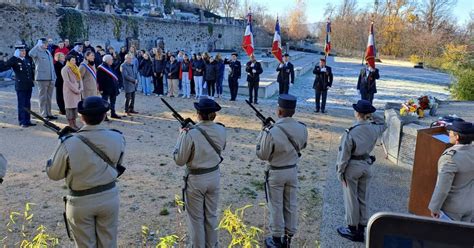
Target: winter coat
{"type": "Point", "coordinates": [108, 85]}
{"type": "Point", "coordinates": [44, 68]}
{"type": "Point", "coordinates": [198, 65]}
{"type": "Point", "coordinates": [323, 80]}
{"type": "Point", "coordinates": [23, 69]}
{"type": "Point", "coordinates": [186, 67]}
{"type": "Point", "coordinates": [146, 68]}
{"type": "Point", "coordinates": [212, 71]}
{"type": "Point", "coordinates": [129, 76]}
{"type": "Point", "coordinates": [251, 76]}
{"type": "Point", "coordinates": [173, 69]}
{"type": "Point", "coordinates": [71, 88]}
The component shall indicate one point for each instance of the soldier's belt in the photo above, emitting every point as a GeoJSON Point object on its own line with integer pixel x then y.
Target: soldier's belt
{"type": "Point", "coordinates": [92, 191]}
{"type": "Point", "coordinates": [282, 167]}
{"type": "Point", "coordinates": [202, 171]}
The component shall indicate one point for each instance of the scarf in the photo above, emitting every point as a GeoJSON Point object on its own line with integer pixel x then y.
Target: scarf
{"type": "Point", "coordinates": [74, 69]}
{"type": "Point", "coordinates": [90, 69]}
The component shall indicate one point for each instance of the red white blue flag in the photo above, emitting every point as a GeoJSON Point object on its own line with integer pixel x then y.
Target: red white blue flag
{"type": "Point", "coordinates": [277, 51]}
{"type": "Point", "coordinates": [327, 43]}
{"type": "Point", "coordinates": [247, 43]}
{"type": "Point", "coordinates": [370, 52]}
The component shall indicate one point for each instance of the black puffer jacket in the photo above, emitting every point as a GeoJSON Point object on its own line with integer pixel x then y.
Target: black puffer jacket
{"type": "Point", "coordinates": [212, 71]}
{"type": "Point", "coordinates": [146, 68]}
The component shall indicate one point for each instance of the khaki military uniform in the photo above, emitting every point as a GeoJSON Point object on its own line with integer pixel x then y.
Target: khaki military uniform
{"type": "Point", "coordinates": [203, 177]}
{"type": "Point", "coordinates": [353, 167]}
{"type": "Point", "coordinates": [282, 186]}
{"type": "Point", "coordinates": [454, 191]}
{"type": "Point", "coordinates": [93, 218]}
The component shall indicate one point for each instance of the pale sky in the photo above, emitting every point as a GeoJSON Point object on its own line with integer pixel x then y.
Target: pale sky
{"type": "Point", "coordinates": [315, 8]}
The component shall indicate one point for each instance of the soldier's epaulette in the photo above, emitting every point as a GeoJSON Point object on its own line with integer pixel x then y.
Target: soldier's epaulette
{"type": "Point", "coordinates": [302, 123]}
{"type": "Point", "coordinates": [218, 123]}
{"type": "Point", "coordinates": [65, 137]}
{"type": "Point", "coordinates": [375, 123]}
{"type": "Point", "coordinates": [450, 153]}
{"type": "Point", "coordinates": [115, 130]}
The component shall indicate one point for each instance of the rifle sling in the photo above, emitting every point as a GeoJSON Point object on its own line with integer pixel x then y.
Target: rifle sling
{"type": "Point", "coordinates": [290, 138]}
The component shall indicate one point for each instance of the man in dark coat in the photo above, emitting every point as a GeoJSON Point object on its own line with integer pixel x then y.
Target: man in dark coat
{"type": "Point", "coordinates": [77, 52]}
{"type": "Point", "coordinates": [366, 83]}
{"type": "Point", "coordinates": [108, 83]}
{"type": "Point", "coordinates": [253, 69]}
{"type": "Point", "coordinates": [234, 75]}
{"type": "Point", "coordinates": [322, 82]}
{"type": "Point", "coordinates": [286, 74]}
{"type": "Point", "coordinates": [24, 76]}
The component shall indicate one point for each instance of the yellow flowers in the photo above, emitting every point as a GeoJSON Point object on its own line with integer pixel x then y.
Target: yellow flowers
{"type": "Point", "coordinates": [19, 224]}
{"type": "Point", "coordinates": [242, 234]}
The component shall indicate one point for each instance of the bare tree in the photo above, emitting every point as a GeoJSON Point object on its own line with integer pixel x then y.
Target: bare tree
{"type": "Point", "coordinates": [208, 5]}
{"type": "Point", "coordinates": [297, 21]}
{"type": "Point", "coordinates": [228, 6]}
{"type": "Point", "coordinates": [436, 12]}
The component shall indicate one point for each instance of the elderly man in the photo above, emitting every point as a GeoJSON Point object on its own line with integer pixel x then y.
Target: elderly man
{"type": "Point", "coordinates": [108, 83]}
{"type": "Point", "coordinates": [130, 81]}
{"type": "Point", "coordinates": [453, 195]}
{"type": "Point", "coordinates": [45, 76]}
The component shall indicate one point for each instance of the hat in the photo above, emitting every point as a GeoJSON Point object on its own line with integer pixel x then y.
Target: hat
{"type": "Point", "coordinates": [462, 127]}
{"type": "Point", "coordinates": [287, 101]}
{"type": "Point", "coordinates": [364, 107]}
{"type": "Point", "coordinates": [20, 47]}
{"type": "Point", "coordinates": [286, 55]}
{"type": "Point", "coordinates": [207, 106]}
{"type": "Point", "coordinates": [93, 105]}
{"type": "Point", "coordinates": [236, 54]}
{"type": "Point", "coordinates": [78, 44]}
{"type": "Point", "coordinates": [322, 59]}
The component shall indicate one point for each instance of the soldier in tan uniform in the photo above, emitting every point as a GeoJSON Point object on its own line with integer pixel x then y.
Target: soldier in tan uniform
{"type": "Point", "coordinates": [353, 167]}
{"type": "Point", "coordinates": [92, 206]}
{"type": "Point", "coordinates": [3, 168]}
{"type": "Point", "coordinates": [280, 145]}
{"type": "Point", "coordinates": [454, 191]}
{"type": "Point", "coordinates": [199, 147]}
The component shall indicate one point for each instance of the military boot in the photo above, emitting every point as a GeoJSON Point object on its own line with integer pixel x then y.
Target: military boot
{"type": "Point", "coordinates": [361, 231]}
{"type": "Point", "coordinates": [350, 233]}
{"type": "Point", "coordinates": [273, 242]}
{"type": "Point", "coordinates": [287, 240]}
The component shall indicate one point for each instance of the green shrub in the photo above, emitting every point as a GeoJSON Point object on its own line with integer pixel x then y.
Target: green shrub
{"type": "Point", "coordinates": [463, 87]}
{"type": "Point", "coordinates": [71, 25]}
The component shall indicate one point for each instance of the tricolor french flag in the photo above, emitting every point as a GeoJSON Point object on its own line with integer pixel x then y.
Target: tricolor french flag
{"type": "Point", "coordinates": [247, 43]}
{"type": "Point", "coordinates": [327, 45]}
{"type": "Point", "coordinates": [277, 51]}
{"type": "Point", "coordinates": [370, 52]}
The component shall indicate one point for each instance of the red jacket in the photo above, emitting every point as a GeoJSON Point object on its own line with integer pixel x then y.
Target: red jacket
{"type": "Point", "coordinates": [190, 71]}
{"type": "Point", "coordinates": [63, 50]}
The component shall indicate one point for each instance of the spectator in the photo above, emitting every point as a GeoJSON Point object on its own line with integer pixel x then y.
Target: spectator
{"type": "Point", "coordinates": [67, 44]}
{"type": "Point", "coordinates": [123, 52]}
{"type": "Point", "coordinates": [146, 73]}
{"type": "Point", "coordinates": [60, 59]}
{"type": "Point", "coordinates": [99, 53]}
{"type": "Point", "coordinates": [61, 48]}
{"type": "Point", "coordinates": [116, 67]}
{"type": "Point", "coordinates": [45, 76]}
{"type": "Point", "coordinates": [212, 73]}
{"type": "Point", "coordinates": [88, 47]}
{"type": "Point", "coordinates": [193, 85]}
{"type": "Point", "coordinates": [89, 75]}
{"type": "Point", "coordinates": [77, 52]}
{"type": "Point", "coordinates": [23, 68]}
{"type": "Point", "coordinates": [198, 73]}
{"type": "Point", "coordinates": [172, 70]}
{"type": "Point", "coordinates": [108, 83]}
{"type": "Point", "coordinates": [220, 77]}
{"type": "Point", "coordinates": [159, 64]}
{"type": "Point", "coordinates": [72, 89]}
{"type": "Point", "coordinates": [130, 81]}
{"type": "Point", "coordinates": [51, 46]}
{"type": "Point", "coordinates": [185, 75]}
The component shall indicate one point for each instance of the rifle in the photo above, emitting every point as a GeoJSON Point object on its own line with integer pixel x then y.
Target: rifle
{"type": "Point", "coordinates": [267, 121]}
{"type": "Point", "coordinates": [46, 123]}
{"type": "Point", "coordinates": [184, 122]}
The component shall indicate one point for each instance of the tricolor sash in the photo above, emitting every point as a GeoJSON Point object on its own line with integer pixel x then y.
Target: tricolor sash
{"type": "Point", "coordinates": [108, 71]}
{"type": "Point", "coordinates": [90, 69]}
